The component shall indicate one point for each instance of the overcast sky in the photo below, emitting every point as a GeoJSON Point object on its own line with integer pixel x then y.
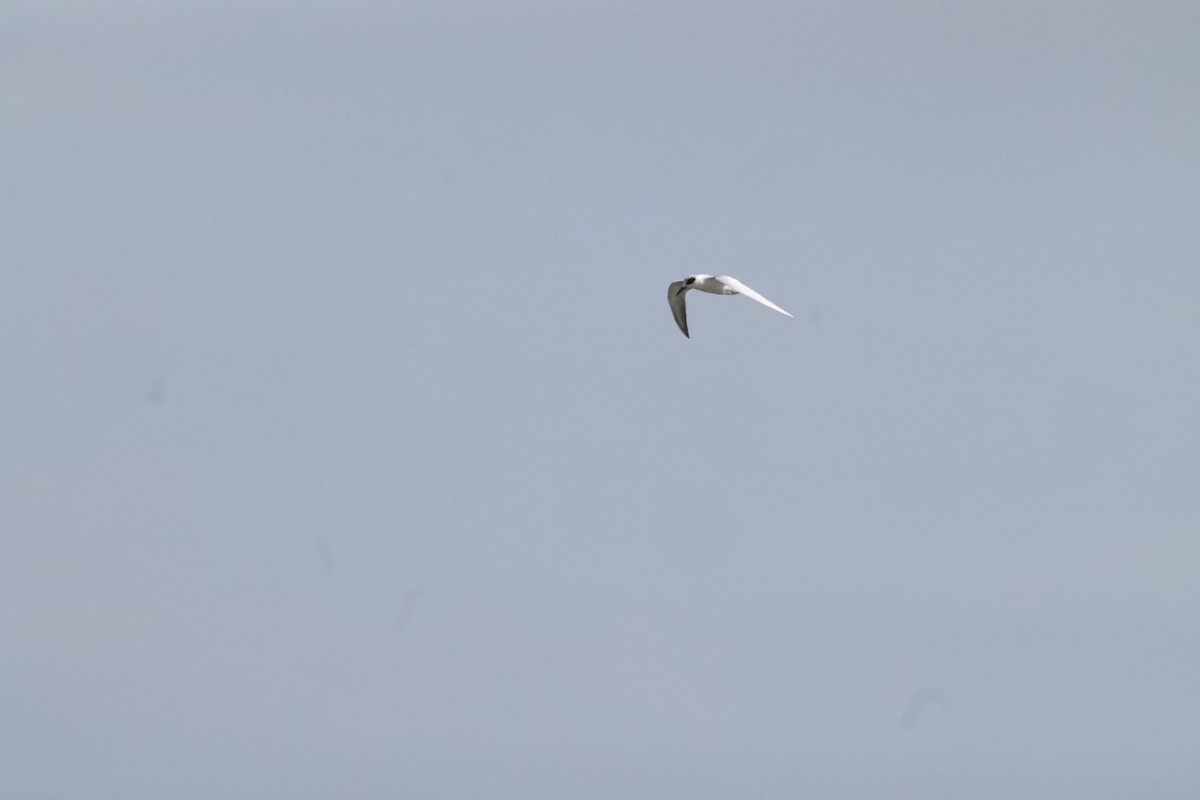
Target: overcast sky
{"type": "Point", "coordinates": [348, 447]}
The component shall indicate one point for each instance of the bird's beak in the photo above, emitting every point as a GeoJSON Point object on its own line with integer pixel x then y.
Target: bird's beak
{"type": "Point", "coordinates": [682, 289]}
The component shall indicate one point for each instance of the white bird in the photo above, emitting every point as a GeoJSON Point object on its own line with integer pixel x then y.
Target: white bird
{"type": "Point", "coordinates": [714, 284]}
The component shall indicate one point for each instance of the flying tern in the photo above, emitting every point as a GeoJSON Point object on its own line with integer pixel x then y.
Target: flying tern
{"type": "Point", "coordinates": [714, 284]}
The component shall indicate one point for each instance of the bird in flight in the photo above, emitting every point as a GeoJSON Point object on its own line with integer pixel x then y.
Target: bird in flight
{"type": "Point", "coordinates": [713, 284]}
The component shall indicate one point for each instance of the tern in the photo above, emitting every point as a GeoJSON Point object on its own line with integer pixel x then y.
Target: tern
{"type": "Point", "coordinates": [714, 284]}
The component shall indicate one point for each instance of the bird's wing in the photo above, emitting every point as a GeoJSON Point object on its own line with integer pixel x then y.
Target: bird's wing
{"type": "Point", "coordinates": [741, 288]}
{"type": "Point", "coordinates": [676, 293]}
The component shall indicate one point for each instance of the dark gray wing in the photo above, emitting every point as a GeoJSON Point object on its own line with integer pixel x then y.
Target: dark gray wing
{"type": "Point", "coordinates": [675, 296]}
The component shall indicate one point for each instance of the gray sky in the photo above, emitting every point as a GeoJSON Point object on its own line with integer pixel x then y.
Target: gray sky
{"type": "Point", "coordinates": [348, 447]}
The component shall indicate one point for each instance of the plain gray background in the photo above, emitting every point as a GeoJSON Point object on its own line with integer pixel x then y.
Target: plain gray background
{"type": "Point", "coordinates": [348, 447]}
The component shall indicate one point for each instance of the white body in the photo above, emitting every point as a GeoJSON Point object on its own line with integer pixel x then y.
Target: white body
{"type": "Point", "coordinates": [713, 284]}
